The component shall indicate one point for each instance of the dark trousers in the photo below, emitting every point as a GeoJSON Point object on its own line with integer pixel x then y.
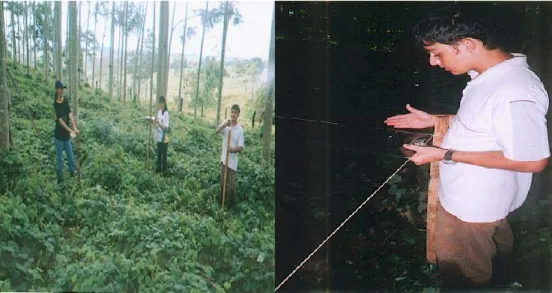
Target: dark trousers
{"type": "Point", "coordinates": [162, 157]}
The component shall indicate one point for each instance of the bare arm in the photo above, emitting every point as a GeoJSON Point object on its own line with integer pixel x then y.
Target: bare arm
{"type": "Point", "coordinates": [221, 126]}
{"type": "Point", "coordinates": [497, 160]}
{"type": "Point", "coordinates": [489, 159]}
{"type": "Point", "coordinates": [415, 119]}
{"type": "Point", "coordinates": [62, 123]}
{"type": "Point", "coordinates": [236, 149]}
{"type": "Point", "coordinates": [73, 122]}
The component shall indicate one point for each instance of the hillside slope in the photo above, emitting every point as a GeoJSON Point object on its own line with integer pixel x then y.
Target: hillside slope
{"type": "Point", "coordinates": [124, 228]}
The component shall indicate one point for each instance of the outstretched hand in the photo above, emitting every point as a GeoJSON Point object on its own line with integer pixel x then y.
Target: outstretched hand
{"type": "Point", "coordinates": [415, 119]}
{"type": "Point", "coordinates": [424, 154]}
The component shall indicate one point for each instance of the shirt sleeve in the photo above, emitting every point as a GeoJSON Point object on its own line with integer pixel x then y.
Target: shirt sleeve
{"type": "Point", "coordinates": [240, 139]}
{"type": "Point", "coordinates": [166, 119]}
{"type": "Point", "coordinates": [519, 123]}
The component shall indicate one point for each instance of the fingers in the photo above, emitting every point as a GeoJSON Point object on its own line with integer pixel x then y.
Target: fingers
{"type": "Point", "coordinates": [413, 110]}
{"type": "Point", "coordinates": [411, 147]}
{"type": "Point", "coordinates": [400, 121]}
{"type": "Point", "coordinates": [397, 118]}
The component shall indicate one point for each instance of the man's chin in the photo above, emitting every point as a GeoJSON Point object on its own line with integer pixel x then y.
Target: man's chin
{"type": "Point", "coordinates": [455, 72]}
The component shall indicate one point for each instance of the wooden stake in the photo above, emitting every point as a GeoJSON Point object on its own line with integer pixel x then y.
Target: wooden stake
{"type": "Point", "coordinates": [441, 128]}
{"type": "Point", "coordinates": [149, 139]}
{"type": "Point", "coordinates": [77, 153]}
{"type": "Point", "coordinates": [226, 166]}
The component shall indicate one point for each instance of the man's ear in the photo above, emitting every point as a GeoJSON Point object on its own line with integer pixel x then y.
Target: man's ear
{"type": "Point", "coordinates": [469, 44]}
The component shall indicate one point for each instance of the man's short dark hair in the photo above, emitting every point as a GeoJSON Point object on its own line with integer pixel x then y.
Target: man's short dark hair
{"type": "Point", "coordinates": [465, 20]}
{"type": "Point", "coordinates": [236, 108]}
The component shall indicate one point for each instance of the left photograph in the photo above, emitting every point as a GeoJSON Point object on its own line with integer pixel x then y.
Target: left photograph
{"type": "Point", "coordinates": [137, 146]}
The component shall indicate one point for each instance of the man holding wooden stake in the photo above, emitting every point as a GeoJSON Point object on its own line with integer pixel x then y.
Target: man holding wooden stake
{"type": "Point", "coordinates": [497, 139]}
{"type": "Point", "coordinates": [232, 143]}
{"type": "Point", "coordinates": [63, 133]}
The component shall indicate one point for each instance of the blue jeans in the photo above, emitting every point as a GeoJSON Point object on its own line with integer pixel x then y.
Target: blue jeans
{"type": "Point", "coordinates": [60, 146]}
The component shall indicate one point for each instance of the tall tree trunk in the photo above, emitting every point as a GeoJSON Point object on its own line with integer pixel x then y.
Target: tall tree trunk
{"type": "Point", "coordinates": [125, 56]}
{"type": "Point", "coordinates": [59, 74]}
{"type": "Point", "coordinates": [121, 39]}
{"type": "Point", "coordinates": [138, 69]}
{"type": "Point", "coordinates": [180, 99]}
{"type": "Point", "coordinates": [112, 49]}
{"type": "Point", "coordinates": [34, 34]}
{"type": "Point", "coordinates": [86, 46]}
{"type": "Point", "coordinates": [152, 58]}
{"type": "Point", "coordinates": [162, 68]}
{"type": "Point", "coordinates": [200, 57]}
{"type": "Point", "coordinates": [151, 84]}
{"type": "Point", "coordinates": [4, 97]}
{"type": "Point", "coordinates": [269, 98]}
{"type": "Point", "coordinates": [79, 47]}
{"type": "Point", "coordinates": [73, 51]}
{"type": "Point", "coordinates": [224, 32]}
{"type": "Point", "coordinates": [21, 47]}
{"type": "Point", "coordinates": [101, 57]}
{"type": "Point", "coordinates": [169, 51]}
{"type": "Point", "coordinates": [27, 37]}
{"type": "Point", "coordinates": [74, 67]}
{"type": "Point", "coordinates": [46, 25]}
{"type": "Point", "coordinates": [136, 57]}
{"type": "Point", "coordinates": [14, 42]}
{"type": "Point", "coordinates": [94, 45]}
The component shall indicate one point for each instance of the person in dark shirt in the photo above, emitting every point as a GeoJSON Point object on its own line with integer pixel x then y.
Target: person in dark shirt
{"type": "Point", "coordinates": [62, 132]}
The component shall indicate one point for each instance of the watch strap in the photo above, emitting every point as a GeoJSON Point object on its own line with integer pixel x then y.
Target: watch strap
{"type": "Point", "coordinates": [448, 155]}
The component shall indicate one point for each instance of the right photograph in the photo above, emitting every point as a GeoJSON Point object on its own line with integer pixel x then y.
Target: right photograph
{"type": "Point", "coordinates": [413, 146]}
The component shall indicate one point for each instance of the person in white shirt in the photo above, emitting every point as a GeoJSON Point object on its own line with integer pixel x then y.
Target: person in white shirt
{"type": "Point", "coordinates": [162, 126]}
{"type": "Point", "coordinates": [236, 145]}
{"type": "Point", "coordinates": [495, 143]}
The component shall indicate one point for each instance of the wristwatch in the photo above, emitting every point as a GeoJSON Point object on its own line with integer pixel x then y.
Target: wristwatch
{"type": "Point", "coordinates": [447, 159]}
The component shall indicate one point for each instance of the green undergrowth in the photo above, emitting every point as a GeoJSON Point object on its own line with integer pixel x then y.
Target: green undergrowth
{"type": "Point", "coordinates": [125, 228]}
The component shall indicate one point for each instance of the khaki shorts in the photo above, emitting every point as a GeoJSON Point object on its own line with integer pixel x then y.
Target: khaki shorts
{"type": "Point", "coordinates": [465, 251]}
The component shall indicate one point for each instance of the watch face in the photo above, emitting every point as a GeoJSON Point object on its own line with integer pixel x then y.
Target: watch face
{"type": "Point", "coordinates": [447, 158]}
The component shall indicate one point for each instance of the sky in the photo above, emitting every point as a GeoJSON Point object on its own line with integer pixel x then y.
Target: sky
{"type": "Point", "coordinates": [247, 40]}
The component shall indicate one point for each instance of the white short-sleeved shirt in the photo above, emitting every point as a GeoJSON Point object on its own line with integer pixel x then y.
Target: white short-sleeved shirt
{"type": "Point", "coordinates": [163, 119]}
{"type": "Point", "coordinates": [502, 109]}
{"type": "Point", "coordinates": [236, 139]}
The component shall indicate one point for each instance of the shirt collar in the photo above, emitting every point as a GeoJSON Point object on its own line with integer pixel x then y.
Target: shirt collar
{"type": "Point", "coordinates": [519, 60]}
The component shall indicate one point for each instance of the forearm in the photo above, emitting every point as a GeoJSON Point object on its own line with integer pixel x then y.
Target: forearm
{"type": "Point", "coordinates": [73, 122]}
{"type": "Point", "coordinates": [220, 127]}
{"type": "Point", "coordinates": [64, 125]}
{"type": "Point", "coordinates": [496, 160]}
{"type": "Point", "coordinates": [236, 149]}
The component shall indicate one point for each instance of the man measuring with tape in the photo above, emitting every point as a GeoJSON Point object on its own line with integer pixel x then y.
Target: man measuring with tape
{"type": "Point", "coordinates": [496, 140]}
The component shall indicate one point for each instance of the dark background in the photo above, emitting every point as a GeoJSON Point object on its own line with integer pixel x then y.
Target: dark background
{"type": "Point", "coordinates": [354, 64]}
